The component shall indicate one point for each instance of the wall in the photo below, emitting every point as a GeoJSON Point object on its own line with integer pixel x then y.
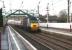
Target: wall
{"type": "Point", "coordinates": [57, 25]}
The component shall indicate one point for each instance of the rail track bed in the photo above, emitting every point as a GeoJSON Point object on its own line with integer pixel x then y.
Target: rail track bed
{"type": "Point", "coordinates": [47, 41]}
{"type": "Point", "coordinates": [1, 29]}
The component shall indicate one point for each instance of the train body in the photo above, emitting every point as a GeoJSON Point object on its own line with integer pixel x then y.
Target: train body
{"type": "Point", "coordinates": [33, 24]}
{"type": "Point", "coordinates": [27, 23]}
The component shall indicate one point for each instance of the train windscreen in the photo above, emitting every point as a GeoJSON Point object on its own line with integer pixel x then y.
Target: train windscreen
{"type": "Point", "coordinates": [33, 20]}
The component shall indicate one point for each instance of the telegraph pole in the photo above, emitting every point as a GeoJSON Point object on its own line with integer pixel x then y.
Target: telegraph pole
{"type": "Point", "coordinates": [47, 13]}
{"type": "Point", "coordinates": [68, 11]}
{"type": "Point", "coordinates": [38, 9]}
{"type": "Point", "coordinates": [69, 17]}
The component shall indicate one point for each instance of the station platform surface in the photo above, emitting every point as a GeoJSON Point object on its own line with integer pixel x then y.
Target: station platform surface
{"type": "Point", "coordinates": [1, 31]}
{"type": "Point", "coordinates": [7, 40]}
{"type": "Point", "coordinates": [56, 30]}
{"type": "Point", "coordinates": [11, 40]}
{"type": "Point", "coordinates": [4, 41]}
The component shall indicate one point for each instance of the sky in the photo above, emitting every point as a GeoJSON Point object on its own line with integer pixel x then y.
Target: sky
{"type": "Point", "coordinates": [55, 6]}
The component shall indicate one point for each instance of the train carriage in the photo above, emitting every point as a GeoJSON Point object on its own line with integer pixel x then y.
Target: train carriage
{"type": "Point", "coordinates": [28, 23]}
{"type": "Point", "coordinates": [31, 23]}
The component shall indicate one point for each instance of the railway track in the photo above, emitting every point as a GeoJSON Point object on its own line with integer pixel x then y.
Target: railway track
{"type": "Point", "coordinates": [68, 38]}
{"type": "Point", "coordinates": [48, 40]}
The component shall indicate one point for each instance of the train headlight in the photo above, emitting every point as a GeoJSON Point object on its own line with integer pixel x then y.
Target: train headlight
{"type": "Point", "coordinates": [34, 26]}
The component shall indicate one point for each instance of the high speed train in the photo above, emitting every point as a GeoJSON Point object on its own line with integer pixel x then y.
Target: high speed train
{"type": "Point", "coordinates": [30, 24]}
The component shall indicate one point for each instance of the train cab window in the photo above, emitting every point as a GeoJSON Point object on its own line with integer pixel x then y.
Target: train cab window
{"type": "Point", "coordinates": [33, 19]}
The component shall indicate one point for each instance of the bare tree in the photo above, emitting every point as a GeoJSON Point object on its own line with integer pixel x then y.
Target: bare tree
{"type": "Point", "coordinates": [62, 16]}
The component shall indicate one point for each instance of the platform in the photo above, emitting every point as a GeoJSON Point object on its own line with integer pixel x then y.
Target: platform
{"type": "Point", "coordinates": [11, 40]}
{"type": "Point", "coordinates": [55, 30]}
{"type": "Point", "coordinates": [4, 41]}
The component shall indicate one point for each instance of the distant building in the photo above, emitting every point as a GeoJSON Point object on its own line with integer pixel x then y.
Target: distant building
{"type": "Point", "coordinates": [52, 19]}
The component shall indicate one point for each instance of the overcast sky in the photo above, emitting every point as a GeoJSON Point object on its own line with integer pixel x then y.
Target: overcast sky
{"type": "Point", "coordinates": [55, 6]}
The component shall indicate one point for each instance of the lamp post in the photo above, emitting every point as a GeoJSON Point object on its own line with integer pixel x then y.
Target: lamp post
{"type": "Point", "coordinates": [2, 4]}
{"type": "Point", "coordinates": [3, 10]}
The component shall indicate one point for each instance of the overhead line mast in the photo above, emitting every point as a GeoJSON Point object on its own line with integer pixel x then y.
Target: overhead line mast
{"type": "Point", "coordinates": [68, 17]}
{"type": "Point", "coordinates": [47, 13]}
{"type": "Point", "coordinates": [38, 8]}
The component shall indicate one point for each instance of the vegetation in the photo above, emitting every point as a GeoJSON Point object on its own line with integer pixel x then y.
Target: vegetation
{"type": "Point", "coordinates": [42, 18]}
{"type": "Point", "coordinates": [1, 18]}
{"type": "Point", "coordinates": [62, 16]}
{"type": "Point", "coordinates": [52, 18]}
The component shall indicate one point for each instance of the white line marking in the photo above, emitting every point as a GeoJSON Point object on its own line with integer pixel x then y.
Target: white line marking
{"type": "Point", "coordinates": [64, 33]}
{"type": "Point", "coordinates": [14, 39]}
{"type": "Point", "coordinates": [10, 46]}
{"type": "Point", "coordinates": [29, 45]}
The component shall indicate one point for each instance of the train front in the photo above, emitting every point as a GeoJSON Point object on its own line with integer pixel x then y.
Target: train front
{"type": "Point", "coordinates": [34, 24]}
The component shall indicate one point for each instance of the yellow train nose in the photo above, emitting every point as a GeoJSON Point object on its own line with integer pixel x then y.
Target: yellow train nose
{"type": "Point", "coordinates": [34, 27]}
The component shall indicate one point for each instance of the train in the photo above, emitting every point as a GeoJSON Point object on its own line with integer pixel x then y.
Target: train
{"type": "Point", "coordinates": [28, 23]}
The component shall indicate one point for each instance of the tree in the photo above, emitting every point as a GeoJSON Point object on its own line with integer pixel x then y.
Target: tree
{"type": "Point", "coordinates": [42, 18]}
{"type": "Point", "coordinates": [1, 18]}
{"type": "Point", "coordinates": [62, 16]}
{"type": "Point", "coordinates": [52, 18]}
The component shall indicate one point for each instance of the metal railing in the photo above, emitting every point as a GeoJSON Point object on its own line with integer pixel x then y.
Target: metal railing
{"type": "Point", "coordinates": [18, 41]}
